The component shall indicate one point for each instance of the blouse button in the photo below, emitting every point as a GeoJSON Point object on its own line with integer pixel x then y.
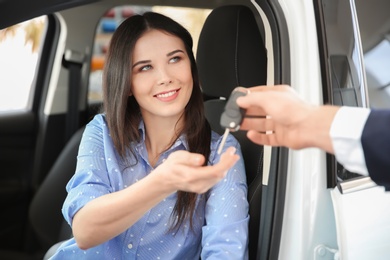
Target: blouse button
{"type": "Point", "coordinates": [130, 246]}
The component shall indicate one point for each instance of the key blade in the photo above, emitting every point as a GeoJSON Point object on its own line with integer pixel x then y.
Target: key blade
{"type": "Point", "coordinates": [224, 137]}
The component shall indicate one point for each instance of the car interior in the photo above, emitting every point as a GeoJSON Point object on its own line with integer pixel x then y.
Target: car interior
{"type": "Point", "coordinates": [230, 53]}
{"type": "Point", "coordinates": [39, 143]}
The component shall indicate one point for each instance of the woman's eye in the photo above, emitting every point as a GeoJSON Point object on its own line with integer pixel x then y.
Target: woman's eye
{"type": "Point", "coordinates": [145, 68]}
{"type": "Point", "coordinates": [174, 59]}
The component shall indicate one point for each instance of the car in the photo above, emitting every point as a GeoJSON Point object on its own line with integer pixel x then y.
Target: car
{"type": "Point", "coordinates": [303, 204]}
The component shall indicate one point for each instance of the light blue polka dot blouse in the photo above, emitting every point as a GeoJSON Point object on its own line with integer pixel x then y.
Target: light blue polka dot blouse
{"type": "Point", "coordinates": [220, 229]}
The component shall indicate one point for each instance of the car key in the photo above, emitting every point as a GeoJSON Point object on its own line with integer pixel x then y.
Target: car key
{"type": "Point", "coordinates": [232, 115]}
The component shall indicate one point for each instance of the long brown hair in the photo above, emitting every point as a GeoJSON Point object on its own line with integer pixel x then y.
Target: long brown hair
{"type": "Point", "coordinates": [123, 113]}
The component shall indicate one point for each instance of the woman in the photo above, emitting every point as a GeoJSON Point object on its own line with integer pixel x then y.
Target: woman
{"type": "Point", "coordinates": [149, 183]}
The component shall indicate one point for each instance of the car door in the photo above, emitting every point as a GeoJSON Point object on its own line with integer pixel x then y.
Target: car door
{"type": "Point", "coordinates": [361, 208]}
{"type": "Point", "coordinates": [21, 88]}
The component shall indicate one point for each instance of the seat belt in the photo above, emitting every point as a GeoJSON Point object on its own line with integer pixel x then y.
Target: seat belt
{"type": "Point", "coordinates": [73, 61]}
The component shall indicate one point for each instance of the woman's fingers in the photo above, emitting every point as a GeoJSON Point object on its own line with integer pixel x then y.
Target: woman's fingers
{"type": "Point", "coordinates": [227, 160]}
{"type": "Point", "coordinates": [184, 170]}
{"type": "Point", "coordinates": [216, 171]}
{"type": "Point", "coordinates": [206, 177]}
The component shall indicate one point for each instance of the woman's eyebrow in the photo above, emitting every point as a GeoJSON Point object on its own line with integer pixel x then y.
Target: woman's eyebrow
{"type": "Point", "coordinates": [148, 61]}
{"type": "Point", "coordinates": [141, 62]}
{"type": "Point", "coordinates": [174, 52]}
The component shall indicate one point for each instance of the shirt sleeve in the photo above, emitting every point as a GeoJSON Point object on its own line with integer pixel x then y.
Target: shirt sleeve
{"type": "Point", "coordinates": [346, 131]}
{"type": "Point", "coordinates": [90, 179]}
{"type": "Point", "coordinates": [225, 235]}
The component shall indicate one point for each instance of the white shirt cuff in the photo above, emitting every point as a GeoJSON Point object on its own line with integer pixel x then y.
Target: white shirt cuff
{"type": "Point", "coordinates": [345, 132]}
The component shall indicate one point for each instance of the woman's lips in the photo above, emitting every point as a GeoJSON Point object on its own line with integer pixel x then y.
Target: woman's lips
{"type": "Point", "coordinates": [168, 95]}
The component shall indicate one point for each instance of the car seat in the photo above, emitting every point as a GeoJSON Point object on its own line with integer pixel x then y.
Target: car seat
{"type": "Point", "coordinates": [45, 217]}
{"type": "Point", "coordinates": [231, 53]}
{"type": "Point", "coordinates": [45, 209]}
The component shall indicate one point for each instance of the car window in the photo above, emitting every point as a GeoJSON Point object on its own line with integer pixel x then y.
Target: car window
{"type": "Point", "coordinates": [191, 18]}
{"type": "Point", "coordinates": [19, 51]}
{"type": "Point", "coordinates": [377, 64]}
{"type": "Point", "coordinates": [342, 74]}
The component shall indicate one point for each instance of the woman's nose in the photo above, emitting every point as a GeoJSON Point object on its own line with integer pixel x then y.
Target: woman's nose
{"type": "Point", "coordinates": [164, 77]}
{"type": "Point", "coordinates": [165, 82]}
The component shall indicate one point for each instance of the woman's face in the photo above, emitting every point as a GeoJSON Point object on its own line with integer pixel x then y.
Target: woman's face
{"type": "Point", "coordinates": [162, 81]}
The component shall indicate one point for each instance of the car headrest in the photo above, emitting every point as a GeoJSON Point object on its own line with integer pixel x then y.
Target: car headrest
{"type": "Point", "coordinates": [230, 51]}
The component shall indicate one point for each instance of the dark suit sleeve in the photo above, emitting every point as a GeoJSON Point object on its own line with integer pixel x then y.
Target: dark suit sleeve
{"type": "Point", "coordinates": [376, 146]}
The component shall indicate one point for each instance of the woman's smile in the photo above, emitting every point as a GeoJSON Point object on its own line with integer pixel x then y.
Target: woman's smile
{"type": "Point", "coordinates": [168, 96]}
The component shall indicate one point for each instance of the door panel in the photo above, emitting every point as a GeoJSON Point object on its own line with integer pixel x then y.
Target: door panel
{"type": "Point", "coordinates": [362, 220]}
{"type": "Point", "coordinates": [17, 144]}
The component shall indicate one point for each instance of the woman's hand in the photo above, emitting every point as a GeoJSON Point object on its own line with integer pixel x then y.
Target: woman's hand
{"type": "Point", "coordinates": [184, 171]}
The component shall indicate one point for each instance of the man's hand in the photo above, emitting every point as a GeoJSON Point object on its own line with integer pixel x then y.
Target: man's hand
{"type": "Point", "coordinates": [286, 120]}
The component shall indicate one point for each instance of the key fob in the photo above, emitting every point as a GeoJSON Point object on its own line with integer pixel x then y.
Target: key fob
{"type": "Point", "coordinates": [232, 115]}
